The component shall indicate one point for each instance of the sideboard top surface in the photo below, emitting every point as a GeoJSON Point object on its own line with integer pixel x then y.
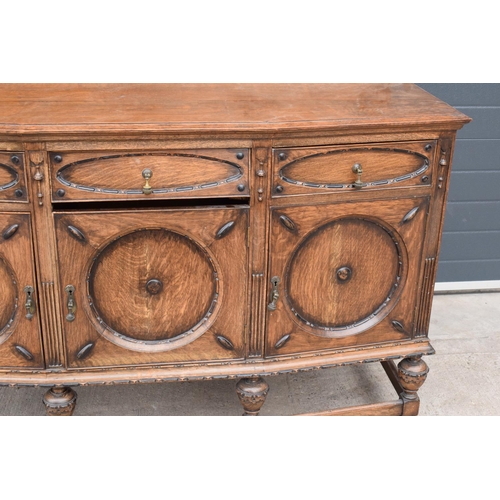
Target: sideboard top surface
{"type": "Point", "coordinates": [218, 108]}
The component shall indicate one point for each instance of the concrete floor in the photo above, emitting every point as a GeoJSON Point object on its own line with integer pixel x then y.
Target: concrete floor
{"type": "Point", "coordinates": [463, 380]}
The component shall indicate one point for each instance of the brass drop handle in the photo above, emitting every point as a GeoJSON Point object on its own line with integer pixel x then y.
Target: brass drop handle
{"type": "Point", "coordinates": [71, 303]}
{"type": "Point", "coordinates": [357, 169]}
{"type": "Point", "coordinates": [30, 302]}
{"type": "Point", "coordinates": [147, 174]}
{"type": "Point", "coordinates": [274, 294]}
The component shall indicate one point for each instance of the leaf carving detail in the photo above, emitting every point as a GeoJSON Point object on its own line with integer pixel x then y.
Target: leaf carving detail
{"type": "Point", "coordinates": [76, 233]}
{"type": "Point", "coordinates": [410, 215]}
{"type": "Point", "coordinates": [282, 341]}
{"type": "Point", "coordinates": [287, 223]}
{"type": "Point", "coordinates": [225, 230]}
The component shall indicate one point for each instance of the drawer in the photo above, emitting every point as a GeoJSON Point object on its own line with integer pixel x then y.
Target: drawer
{"type": "Point", "coordinates": [12, 179]}
{"type": "Point", "coordinates": [113, 176]}
{"type": "Point", "coordinates": [331, 168]}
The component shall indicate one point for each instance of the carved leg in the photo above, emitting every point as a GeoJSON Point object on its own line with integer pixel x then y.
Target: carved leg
{"type": "Point", "coordinates": [60, 401]}
{"type": "Point", "coordinates": [252, 393]}
{"type": "Point", "coordinates": [412, 373]}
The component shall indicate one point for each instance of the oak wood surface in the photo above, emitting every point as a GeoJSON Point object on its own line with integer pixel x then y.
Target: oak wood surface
{"type": "Point", "coordinates": [111, 257]}
{"type": "Point", "coordinates": [55, 108]}
{"type": "Point", "coordinates": [12, 177]}
{"type": "Point", "coordinates": [178, 289]}
{"type": "Point", "coordinates": [384, 166]}
{"type": "Point", "coordinates": [117, 175]}
{"type": "Point", "coordinates": [229, 369]}
{"type": "Point", "coordinates": [385, 409]}
{"type": "Point", "coordinates": [326, 238]}
{"type": "Point", "coordinates": [20, 342]}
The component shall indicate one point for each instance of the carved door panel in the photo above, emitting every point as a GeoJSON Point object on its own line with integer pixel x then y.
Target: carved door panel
{"type": "Point", "coordinates": [20, 344]}
{"type": "Point", "coordinates": [154, 286]}
{"type": "Point", "coordinates": [348, 274]}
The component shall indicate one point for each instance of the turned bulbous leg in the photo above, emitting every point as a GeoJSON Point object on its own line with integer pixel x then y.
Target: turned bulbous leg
{"type": "Point", "coordinates": [412, 373]}
{"type": "Point", "coordinates": [252, 393]}
{"type": "Point", "coordinates": [60, 401]}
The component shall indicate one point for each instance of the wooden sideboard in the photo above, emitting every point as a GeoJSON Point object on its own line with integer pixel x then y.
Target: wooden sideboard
{"type": "Point", "coordinates": [155, 233]}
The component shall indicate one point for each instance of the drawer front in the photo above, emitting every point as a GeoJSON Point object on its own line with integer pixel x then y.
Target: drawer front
{"type": "Point", "coordinates": [335, 168]}
{"type": "Point", "coordinates": [154, 286]}
{"type": "Point", "coordinates": [116, 176]}
{"type": "Point", "coordinates": [346, 274]}
{"type": "Point", "coordinates": [20, 343]}
{"type": "Point", "coordinates": [12, 177]}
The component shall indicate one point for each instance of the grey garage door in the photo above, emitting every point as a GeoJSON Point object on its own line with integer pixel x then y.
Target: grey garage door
{"type": "Point", "coordinates": [471, 240]}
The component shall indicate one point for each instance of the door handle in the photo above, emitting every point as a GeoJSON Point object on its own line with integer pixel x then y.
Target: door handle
{"type": "Point", "coordinates": [71, 302]}
{"type": "Point", "coordinates": [275, 295]}
{"type": "Point", "coordinates": [30, 302]}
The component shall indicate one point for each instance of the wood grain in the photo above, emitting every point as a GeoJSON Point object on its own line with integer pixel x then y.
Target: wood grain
{"type": "Point", "coordinates": [203, 284]}
{"type": "Point", "coordinates": [221, 369]}
{"type": "Point", "coordinates": [361, 247]}
{"type": "Point", "coordinates": [127, 303]}
{"type": "Point", "coordinates": [385, 409]}
{"type": "Point", "coordinates": [212, 108]}
{"type": "Point", "coordinates": [115, 175]}
{"type": "Point", "coordinates": [316, 170]}
{"type": "Point", "coordinates": [177, 289]}
{"type": "Point", "coordinates": [258, 243]}
{"type": "Point", "coordinates": [53, 336]}
{"type": "Point", "coordinates": [17, 272]}
{"type": "Point", "coordinates": [8, 295]}
{"type": "Point", "coordinates": [12, 177]}
{"type": "Point", "coordinates": [313, 276]}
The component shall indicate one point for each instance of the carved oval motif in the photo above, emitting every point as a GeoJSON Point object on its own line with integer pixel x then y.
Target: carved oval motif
{"type": "Point", "coordinates": [225, 230]}
{"type": "Point", "coordinates": [132, 317]}
{"type": "Point", "coordinates": [76, 233]}
{"type": "Point", "coordinates": [224, 342]}
{"type": "Point", "coordinates": [24, 352]}
{"type": "Point", "coordinates": [85, 351]}
{"type": "Point", "coordinates": [8, 299]}
{"type": "Point", "coordinates": [288, 223]}
{"type": "Point", "coordinates": [282, 341]}
{"type": "Point", "coordinates": [397, 325]}
{"type": "Point", "coordinates": [8, 177]}
{"type": "Point", "coordinates": [10, 231]}
{"type": "Point", "coordinates": [410, 215]}
{"type": "Point", "coordinates": [172, 172]}
{"type": "Point", "coordinates": [326, 306]}
{"type": "Point", "coordinates": [333, 169]}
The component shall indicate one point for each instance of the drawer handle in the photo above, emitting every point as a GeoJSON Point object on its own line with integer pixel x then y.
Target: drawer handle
{"type": "Point", "coordinates": [71, 303]}
{"type": "Point", "coordinates": [274, 294]}
{"type": "Point", "coordinates": [30, 303]}
{"type": "Point", "coordinates": [358, 170]}
{"type": "Point", "coordinates": [147, 174]}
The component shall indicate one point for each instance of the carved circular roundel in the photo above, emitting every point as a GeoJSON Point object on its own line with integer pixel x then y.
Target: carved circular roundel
{"type": "Point", "coordinates": [8, 300]}
{"type": "Point", "coordinates": [153, 290]}
{"type": "Point", "coordinates": [345, 276]}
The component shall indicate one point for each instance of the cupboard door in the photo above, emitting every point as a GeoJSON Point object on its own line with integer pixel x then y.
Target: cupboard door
{"type": "Point", "coordinates": [20, 344]}
{"type": "Point", "coordinates": [153, 286]}
{"type": "Point", "coordinates": [344, 274]}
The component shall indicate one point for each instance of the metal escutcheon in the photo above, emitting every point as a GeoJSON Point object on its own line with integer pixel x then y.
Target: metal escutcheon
{"type": "Point", "coordinates": [274, 293]}
{"type": "Point", "coordinates": [30, 302]}
{"type": "Point", "coordinates": [71, 303]}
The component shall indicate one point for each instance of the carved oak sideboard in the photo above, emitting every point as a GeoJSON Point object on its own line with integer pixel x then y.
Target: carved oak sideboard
{"type": "Point", "coordinates": [156, 233]}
